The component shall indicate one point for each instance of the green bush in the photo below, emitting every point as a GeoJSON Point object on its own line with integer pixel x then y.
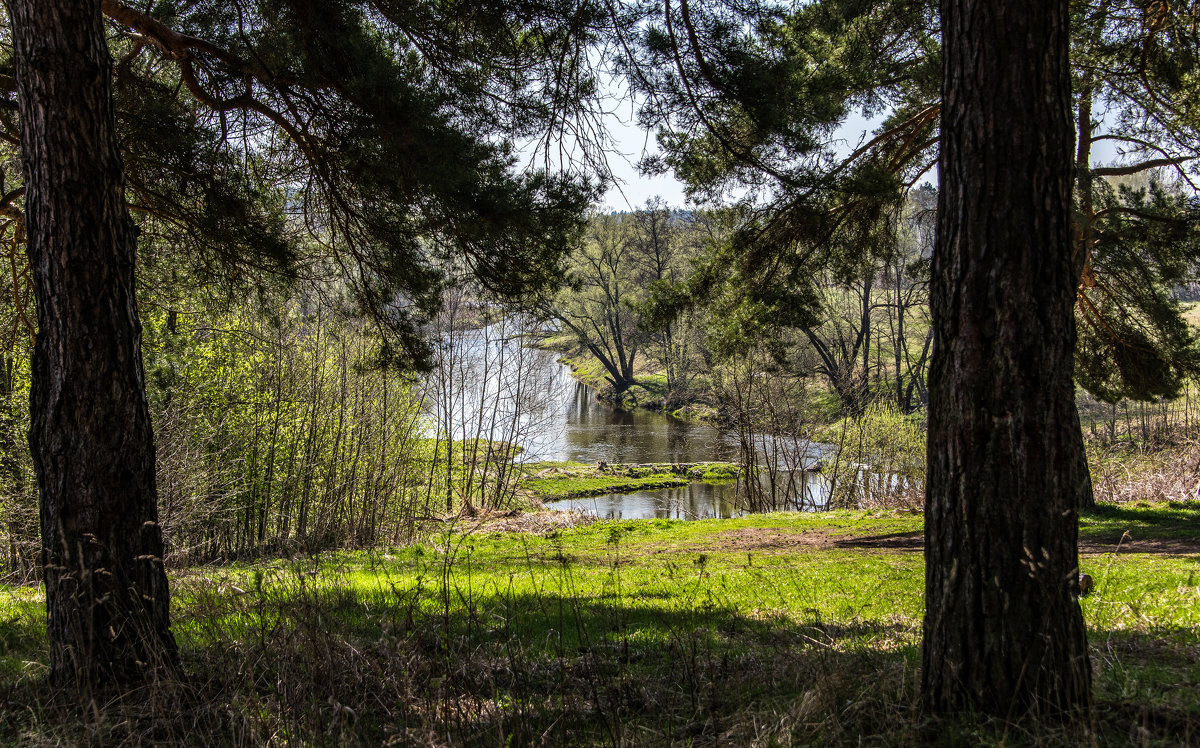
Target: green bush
{"type": "Point", "coordinates": [880, 458]}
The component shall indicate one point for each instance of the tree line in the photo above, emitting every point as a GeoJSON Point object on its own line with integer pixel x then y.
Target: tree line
{"type": "Point", "coordinates": [639, 300]}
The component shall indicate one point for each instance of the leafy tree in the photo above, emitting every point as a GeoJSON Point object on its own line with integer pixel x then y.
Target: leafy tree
{"type": "Point", "coordinates": [658, 243]}
{"type": "Point", "coordinates": [906, 285]}
{"type": "Point", "coordinates": [631, 294]}
{"type": "Point", "coordinates": [599, 306]}
{"type": "Point", "coordinates": [842, 342]}
{"type": "Point", "coordinates": [668, 242]}
{"type": "Point", "coordinates": [367, 141]}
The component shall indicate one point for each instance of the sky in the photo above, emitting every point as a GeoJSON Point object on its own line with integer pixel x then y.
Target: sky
{"type": "Point", "coordinates": [633, 190]}
{"type": "Point", "coordinates": [633, 143]}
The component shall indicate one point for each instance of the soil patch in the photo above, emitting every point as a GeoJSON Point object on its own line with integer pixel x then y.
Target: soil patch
{"type": "Point", "coordinates": [1168, 546]}
{"type": "Point", "coordinates": [776, 540]}
{"type": "Point", "coordinates": [769, 539]}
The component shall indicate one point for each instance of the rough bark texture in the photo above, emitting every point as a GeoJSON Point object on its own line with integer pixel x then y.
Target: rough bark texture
{"type": "Point", "coordinates": [93, 450]}
{"type": "Point", "coordinates": [1003, 630]}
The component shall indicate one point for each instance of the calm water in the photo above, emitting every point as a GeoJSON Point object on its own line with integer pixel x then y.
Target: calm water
{"type": "Point", "coordinates": [584, 429]}
{"type": "Point", "coordinates": [694, 501]}
{"type": "Point", "coordinates": [559, 419]}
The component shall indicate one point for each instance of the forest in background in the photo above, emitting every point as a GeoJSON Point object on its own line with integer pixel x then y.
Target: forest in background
{"type": "Point", "coordinates": [280, 426]}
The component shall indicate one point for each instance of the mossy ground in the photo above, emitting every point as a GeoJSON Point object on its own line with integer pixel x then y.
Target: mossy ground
{"type": "Point", "coordinates": [773, 629]}
{"type": "Point", "coordinates": [549, 481]}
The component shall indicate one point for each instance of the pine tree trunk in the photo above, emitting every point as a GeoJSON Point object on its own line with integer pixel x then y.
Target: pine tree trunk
{"type": "Point", "coordinates": [106, 589]}
{"type": "Point", "coordinates": [1003, 629]}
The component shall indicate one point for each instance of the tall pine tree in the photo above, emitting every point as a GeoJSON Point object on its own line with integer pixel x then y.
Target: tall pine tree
{"type": "Point", "coordinates": [367, 141]}
{"type": "Point", "coordinates": [93, 448]}
{"type": "Point", "coordinates": [1003, 630]}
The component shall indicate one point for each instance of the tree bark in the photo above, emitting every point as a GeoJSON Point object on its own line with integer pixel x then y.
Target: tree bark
{"type": "Point", "coordinates": [106, 590]}
{"type": "Point", "coordinates": [1003, 629]}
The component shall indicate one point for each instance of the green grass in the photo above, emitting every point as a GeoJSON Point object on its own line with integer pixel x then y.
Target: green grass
{"type": "Point", "coordinates": [1142, 520]}
{"type": "Point", "coordinates": [567, 487]}
{"type": "Point", "coordinates": [587, 370]}
{"type": "Point", "coordinates": [771, 629]}
{"type": "Point", "coordinates": [552, 481]}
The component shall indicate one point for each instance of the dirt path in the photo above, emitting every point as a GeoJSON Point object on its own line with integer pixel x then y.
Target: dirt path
{"type": "Point", "coordinates": [775, 540]}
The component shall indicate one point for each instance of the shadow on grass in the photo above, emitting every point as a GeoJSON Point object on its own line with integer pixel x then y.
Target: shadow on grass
{"type": "Point", "coordinates": [337, 665]}
{"type": "Point", "coordinates": [896, 541]}
{"type": "Point", "coordinates": [313, 661]}
{"type": "Point", "coordinates": [1107, 524]}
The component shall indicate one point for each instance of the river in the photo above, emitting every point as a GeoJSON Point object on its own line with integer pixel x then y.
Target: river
{"type": "Point", "coordinates": [522, 395]}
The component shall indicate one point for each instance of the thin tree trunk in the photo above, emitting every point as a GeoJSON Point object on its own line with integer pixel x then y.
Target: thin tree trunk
{"type": "Point", "coordinates": [1003, 630]}
{"type": "Point", "coordinates": [93, 449]}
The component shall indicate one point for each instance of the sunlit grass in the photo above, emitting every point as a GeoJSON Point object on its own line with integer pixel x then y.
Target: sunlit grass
{"type": "Point", "coordinates": [804, 627]}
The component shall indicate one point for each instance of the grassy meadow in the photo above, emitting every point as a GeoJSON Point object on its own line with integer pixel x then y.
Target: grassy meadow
{"type": "Point", "coordinates": [781, 629]}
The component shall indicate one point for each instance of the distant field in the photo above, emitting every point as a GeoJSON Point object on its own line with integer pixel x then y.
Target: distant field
{"type": "Point", "coordinates": [1192, 313]}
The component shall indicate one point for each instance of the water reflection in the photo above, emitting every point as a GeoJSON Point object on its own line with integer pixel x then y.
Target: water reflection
{"type": "Point", "coordinates": [498, 390]}
{"type": "Point", "coordinates": [588, 430]}
{"type": "Point", "coordinates": [489, 387]}
{"type": "Point", "coordinates": [696, 501]}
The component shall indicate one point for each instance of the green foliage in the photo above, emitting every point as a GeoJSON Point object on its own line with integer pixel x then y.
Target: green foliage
{"type": "Point", "coordinates": [321, 170]}
{"type": "Point", "coordinates": [718, 471]}
{"type": "Point", "coordinates": [372, 143]}
{"type": "Point", "coordinates": [19, 550]}
{"type": "Point", "coordinates": [751, 98]}
{"type": "Point", "coordinates": [1133, 339]}
{"type": "Point", "coordinates": [880, 458]}
{"type": "Point", "coordinates": [278, 431]}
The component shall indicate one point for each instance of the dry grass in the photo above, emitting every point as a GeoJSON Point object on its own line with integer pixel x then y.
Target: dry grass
{"type": "Point", "coordinates": [1123, 473]}
{"type": "Point", "coordinates": [539, 522]}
